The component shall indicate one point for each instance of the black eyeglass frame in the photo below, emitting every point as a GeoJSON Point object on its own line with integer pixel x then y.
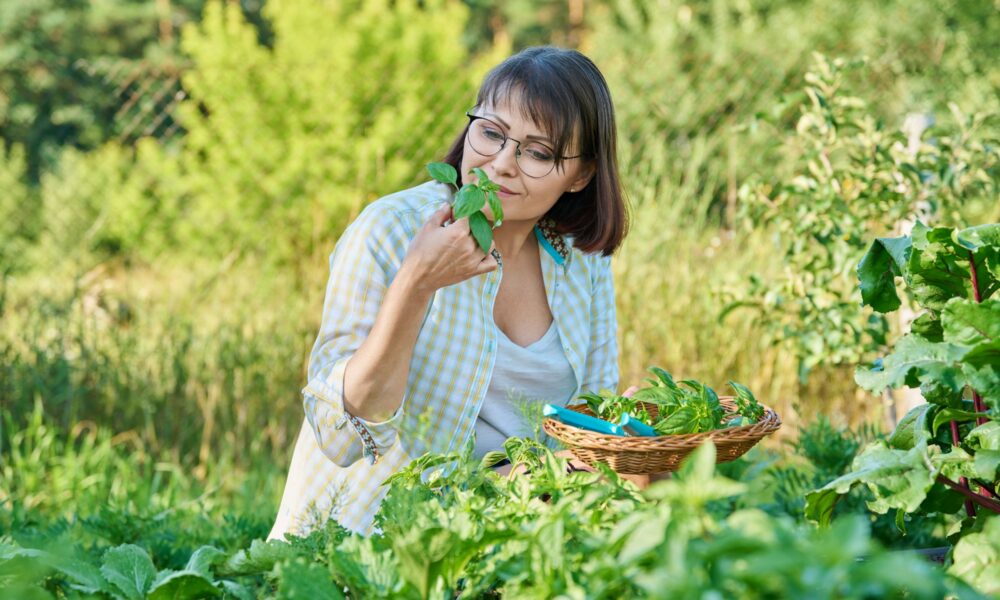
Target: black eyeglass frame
{"type": "Point", "coordinates": [506, 138]}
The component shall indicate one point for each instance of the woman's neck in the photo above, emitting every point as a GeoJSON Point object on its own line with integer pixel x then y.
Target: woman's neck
{"type": "Point", "coordinates": [512, 239]}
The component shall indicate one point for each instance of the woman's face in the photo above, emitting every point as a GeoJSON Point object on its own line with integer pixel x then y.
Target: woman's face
{"type": "Point", "coordinates": [524, 198]}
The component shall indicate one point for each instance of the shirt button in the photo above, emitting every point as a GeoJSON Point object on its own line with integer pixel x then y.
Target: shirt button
{"type": "Point", "coordinates": [340, 422]}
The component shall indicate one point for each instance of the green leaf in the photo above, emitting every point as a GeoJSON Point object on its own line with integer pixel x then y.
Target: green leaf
{"type": "Point", "coordinates": [481, 230]}
{"type": "Point", "coordinates": [928, 327]}
{"type": "Point", "coordinates": [491, 458]}
{"type": "Point", "coordinates": [682, 420]}
{"type": "Point", "coordinates": [985, 436]}
{"type": "Point", "coordinates": [896, 478]}
{"type": "Point", "coordinates": [947, 415]}
{"type": "Point", "coordinates": [443, 172]}
{"type": "Point", "coordinates": [878, 270]}
{"type": "Point", "coordinates": [483, 180]}
{"type": "Point", "coordinates": [914, 361]}
{"type": "Point", "coordinates": [495, 207]}
{"type": "Point", "coordinates": [84, 577]}
{"type": "Point", "coordinates": [203, 559]}
{"type": "Point", "coordinates": [974, 238]}
{"type": "Point", "coordinates": [304, 581]}
{"type": "Point", "coordinates": [987, 464]}
{"type": "Point", "coordinates": [976, 558]}
{"type": "Point", "coordinates": [182, 585]}
{"type": "Point", "coordinates": [259, 558]}
{"type": "Point", "coordinates": [937, 269]}
{"type": "Point", "coordinates": [968, 323]}
{"type": "Point", "coordinates": [129, 569]}
{"type": "Point", "coordinates": [912, 429]}
{"type": "Point", "coordinates": [469, 201]}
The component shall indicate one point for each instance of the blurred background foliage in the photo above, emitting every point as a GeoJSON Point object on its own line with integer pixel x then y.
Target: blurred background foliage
{"type": "Point", "coordinates": [174, 173]}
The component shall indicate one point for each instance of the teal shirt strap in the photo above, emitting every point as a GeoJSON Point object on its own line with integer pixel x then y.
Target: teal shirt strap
{"type": "Point", "coordinates": [548, 247]}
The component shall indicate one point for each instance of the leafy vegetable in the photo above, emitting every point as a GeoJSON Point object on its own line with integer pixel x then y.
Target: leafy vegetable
{"type": "Point", "coordinates": [951, 352]}
{"type": "Point", "coordinates": [687, 407]}
{"type": "Point", "coordinates": [470, 199]}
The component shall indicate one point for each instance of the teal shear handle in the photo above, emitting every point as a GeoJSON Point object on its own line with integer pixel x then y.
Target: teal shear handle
{"type": "Point", "coordinates": [634, 426]}
{"type": "Point", "coordinates": [571, 417]}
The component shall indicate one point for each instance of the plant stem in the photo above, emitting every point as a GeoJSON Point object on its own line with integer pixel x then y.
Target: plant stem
{"type": "Point", "coordinates": [970, 508]}
{"type": "Point", "coordinates": [970, 496]}
{"type": "Point", "coordinates": [975, 278]}
{"type": "Point", "coordinates": [978, 296]}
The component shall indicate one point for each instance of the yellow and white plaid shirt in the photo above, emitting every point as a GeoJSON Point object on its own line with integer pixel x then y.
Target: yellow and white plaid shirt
{"type": "Point", "coordinates": [334, 471]}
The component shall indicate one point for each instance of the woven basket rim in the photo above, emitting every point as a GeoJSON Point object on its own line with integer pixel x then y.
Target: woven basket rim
{"type": "Point", "coordinates": [584, 438]}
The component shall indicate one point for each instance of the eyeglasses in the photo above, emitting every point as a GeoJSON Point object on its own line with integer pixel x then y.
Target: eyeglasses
{"type": "Point", "coordinates": [535, 159]}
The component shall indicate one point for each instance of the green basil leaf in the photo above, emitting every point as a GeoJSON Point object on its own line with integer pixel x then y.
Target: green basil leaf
{"type": "Point", "coordinates": [481, 230]}
{"type": "Point", "coordinates": [470, 200]}
{"type": "Point", "coordinates": [443, 172]}
{"type": "Point", "coordinates": [495, 207]}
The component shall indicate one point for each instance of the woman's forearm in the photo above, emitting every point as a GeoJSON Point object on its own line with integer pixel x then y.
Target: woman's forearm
{"type": "Point", "coordinates": [375, 377]}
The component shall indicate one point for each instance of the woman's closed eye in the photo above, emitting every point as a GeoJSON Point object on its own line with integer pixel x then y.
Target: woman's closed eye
{"type": "Point", "coordinates": [492, 134]}
{"type": "Point", "coordinates": [540, 153]}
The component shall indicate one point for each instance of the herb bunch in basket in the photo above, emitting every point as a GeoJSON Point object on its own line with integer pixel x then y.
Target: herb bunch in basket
{"type": "Point", "coordinates": [688, 406]}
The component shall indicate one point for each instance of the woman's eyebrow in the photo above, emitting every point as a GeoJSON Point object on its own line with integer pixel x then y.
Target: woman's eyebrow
{"type": "Point", "coordinates": [507, 125]}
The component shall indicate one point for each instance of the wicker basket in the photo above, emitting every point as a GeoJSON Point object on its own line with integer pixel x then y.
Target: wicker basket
{"type": "Point", "coordinates": [648, 455]}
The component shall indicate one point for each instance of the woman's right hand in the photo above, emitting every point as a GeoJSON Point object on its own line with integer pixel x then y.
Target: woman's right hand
{"type": "Point", "coordinates": [444, 253]}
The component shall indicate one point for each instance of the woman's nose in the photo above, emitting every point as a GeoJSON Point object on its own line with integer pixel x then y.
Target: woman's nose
{"type": "Point", "coordinates": [505, 161]}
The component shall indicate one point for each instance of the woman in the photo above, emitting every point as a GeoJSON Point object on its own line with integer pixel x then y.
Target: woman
{"type": "Point", "coordinates": [424, 337]}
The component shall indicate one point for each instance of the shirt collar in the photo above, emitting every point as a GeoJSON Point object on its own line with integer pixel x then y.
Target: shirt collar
{"type": "Point", "coordinates": [554, 242]}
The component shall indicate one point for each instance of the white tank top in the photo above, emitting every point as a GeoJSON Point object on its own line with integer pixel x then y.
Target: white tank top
{"type": "Point", "coordinates": [524, 378]}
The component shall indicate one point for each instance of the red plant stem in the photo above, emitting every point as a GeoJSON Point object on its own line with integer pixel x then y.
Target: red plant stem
{"type": "Point", "coordinates": [978, 296]}
{"type": "Point", "coordinates": [970, 496]}
{"type": "Point", "coordinates": [970, 508]}
{"type": "Point", "coordinates": [975, 278]}
{"type": "Point", "coordinates": [977, 400]}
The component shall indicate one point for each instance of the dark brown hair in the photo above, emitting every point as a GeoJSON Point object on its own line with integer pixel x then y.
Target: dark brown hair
{"type": "Point", "coordinates": [564, 93]}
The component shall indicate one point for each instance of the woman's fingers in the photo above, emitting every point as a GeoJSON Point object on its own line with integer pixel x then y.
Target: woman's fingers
{"type": "Point", "coordinates": [631, 390]}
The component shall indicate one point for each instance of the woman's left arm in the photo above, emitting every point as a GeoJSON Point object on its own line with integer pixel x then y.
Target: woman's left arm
{"type": "Point", "coordinates": [600, 369]}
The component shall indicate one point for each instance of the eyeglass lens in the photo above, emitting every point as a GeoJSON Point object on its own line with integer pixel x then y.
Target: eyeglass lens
{"type": "Point", "coordinates": [534, 159]}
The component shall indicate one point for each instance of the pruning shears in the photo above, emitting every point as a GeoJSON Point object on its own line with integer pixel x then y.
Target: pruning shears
{"type": "Point", "coordinates": [571, 417]}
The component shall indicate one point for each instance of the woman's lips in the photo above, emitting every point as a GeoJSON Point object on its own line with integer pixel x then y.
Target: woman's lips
{"type": "Point", "coordinates": [505, 192]}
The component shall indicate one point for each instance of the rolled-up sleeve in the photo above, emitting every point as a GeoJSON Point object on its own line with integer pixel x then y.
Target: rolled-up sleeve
{"type": "Point", "coordinates": [601, 365]}
{"type": "Point", "coordinates": [362, 265]}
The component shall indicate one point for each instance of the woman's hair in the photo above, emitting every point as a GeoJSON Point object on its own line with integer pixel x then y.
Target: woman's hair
{"type": "Point", "coordinates": [564, 93]}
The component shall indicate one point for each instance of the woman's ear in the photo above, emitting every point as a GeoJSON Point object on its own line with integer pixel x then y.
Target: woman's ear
{"type": "Point", "coordinates": [586, 174]}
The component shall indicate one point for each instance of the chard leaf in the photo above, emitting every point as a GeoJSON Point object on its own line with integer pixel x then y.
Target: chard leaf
{"type": "Point", "coordinates": [987, 464]}
{"type": "Point", "coordinates": [129, 569]}
{"type": "Point", "coordinates": [914, 361]}
{"type": "Point", "coordinates": [897, 479]}
{"type": "Point", "coordinates": [912, 429]}
{"type": "Point", "coordinates": [985, 437]}
{"type": "Point", "coordinates": [937, 269]}
{"type": "Point", "coordinates": [947, 415]}
{"type": "Point", "coordinates": [878, 270]}
{"type": "Point", "coordinates": [982, 370]}
{"type": "Point", "coordinates": [976, 558]}
{"type": "Point", "coordinates": [928, 327]}
{"type": "Point", "coordinates": [443, 172]}
{"type": "Point", "coordinates": [980, 236]}
{"type": "Point", "coordinates": [481, 230]}
{"type": "Point", "coordinates": [968, 323]}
